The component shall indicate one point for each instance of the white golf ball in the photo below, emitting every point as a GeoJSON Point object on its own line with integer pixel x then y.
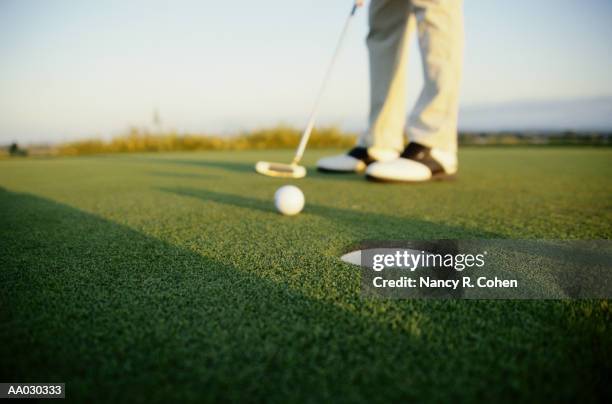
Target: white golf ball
{"type": "Point", "coordinates": [289, 200]}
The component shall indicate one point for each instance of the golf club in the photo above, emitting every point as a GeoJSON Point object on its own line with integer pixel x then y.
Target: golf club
{"type": "Point", "coordinates": [294, 170]}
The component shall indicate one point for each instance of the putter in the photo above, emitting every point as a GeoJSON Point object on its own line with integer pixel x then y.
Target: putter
{"type": "Point", "coordinates": [295, 170]}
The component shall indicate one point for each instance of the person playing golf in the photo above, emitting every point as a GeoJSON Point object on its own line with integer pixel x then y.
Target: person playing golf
{"type": "Point", "coordinates": [431, 129]}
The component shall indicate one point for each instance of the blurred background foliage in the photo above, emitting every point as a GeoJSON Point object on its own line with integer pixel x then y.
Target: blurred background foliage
{"type": "Point", "coordinates": [138, 140]}
{"type": "Point", "coordinates": [279, 137]}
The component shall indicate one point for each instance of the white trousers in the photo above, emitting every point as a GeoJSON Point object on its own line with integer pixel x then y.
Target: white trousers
{"type": "Point", "coordinates": [433, 122]}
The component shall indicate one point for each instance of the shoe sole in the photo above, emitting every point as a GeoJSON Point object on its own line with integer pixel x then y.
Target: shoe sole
{"type": "Point", "coordinates": [434, 178]}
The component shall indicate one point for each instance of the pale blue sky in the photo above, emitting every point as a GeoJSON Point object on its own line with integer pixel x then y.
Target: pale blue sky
{"type": "Point", "coordinates": [87, 68]}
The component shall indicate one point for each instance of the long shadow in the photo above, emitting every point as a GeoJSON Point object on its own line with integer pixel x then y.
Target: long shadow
{"type": "Point", "coordinates": [247, 167]}
{"type": "Point", "coordinates": [181, 175]}
{"type": "Point", "coordinates": [575, 251]}
{"type": "Point", "coordinates": [224, 165]}
{"type": "Point", "coordinates": [120, 316]}
{"type": "Point", "coordinates": [316, 175]}
{"type": "Point", "coordinates": [408, 227]}
{"type": "Point", "coordinates": [569, 278]}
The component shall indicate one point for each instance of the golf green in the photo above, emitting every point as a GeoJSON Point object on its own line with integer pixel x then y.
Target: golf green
{"type": "Point", "coordinates": [170, 277]}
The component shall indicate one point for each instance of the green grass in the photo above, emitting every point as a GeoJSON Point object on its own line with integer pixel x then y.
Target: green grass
{"type": "Point", "coordinates": [150, 278]}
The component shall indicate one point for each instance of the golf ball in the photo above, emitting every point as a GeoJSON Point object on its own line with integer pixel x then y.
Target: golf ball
{"type": "Point", "coordinates": [289, 200]}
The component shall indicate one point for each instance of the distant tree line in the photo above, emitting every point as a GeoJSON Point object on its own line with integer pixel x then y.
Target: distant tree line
{"type": "Point", "coordinates": [566, 138]}
{"type": "Point", "coordinates": [283, 137]}
{"type": "Point", "coordinates": [138, 140]}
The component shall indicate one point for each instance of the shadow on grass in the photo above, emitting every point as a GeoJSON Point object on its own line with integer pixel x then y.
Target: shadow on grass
{"type": "Point", "coordinates": [119, 315]}
{"type": "Point", "coordinates": [235, 166]}
{"type": "Point", "coordinates": [182, 175]}
{"type": "Point", "coordinates": [407, 227]}
{"type": "Point", "coordinates": [124, 317]}
{"type": "Point", "coordinates": [248, 167]}
{"type": "Point", "coordinates": [313, 173]}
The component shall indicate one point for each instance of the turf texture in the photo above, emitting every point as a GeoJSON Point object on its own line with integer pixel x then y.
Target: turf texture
{"type": "Point", "coordinates": [170, 277]}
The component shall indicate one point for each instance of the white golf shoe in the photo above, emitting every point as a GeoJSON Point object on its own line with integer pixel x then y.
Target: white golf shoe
{"type": "Point", "coordinates": [416, 164]}
{"type": "Point", "coordinates": [355, 161]}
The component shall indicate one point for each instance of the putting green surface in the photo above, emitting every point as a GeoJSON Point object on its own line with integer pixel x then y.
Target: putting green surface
{"type": "Point", "coordinates": [157, 277]}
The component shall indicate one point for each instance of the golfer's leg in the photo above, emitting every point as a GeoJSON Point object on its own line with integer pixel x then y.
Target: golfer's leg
{"type": "Point", "coordinates": [433, 122]}
{"type": "Point", "coordinates": [387, 45]}
{"type": "Point", "coordinates": [387, 42]}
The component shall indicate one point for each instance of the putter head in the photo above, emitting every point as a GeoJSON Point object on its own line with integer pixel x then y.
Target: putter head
{"type": "Point", "coordinates": [280, 170]}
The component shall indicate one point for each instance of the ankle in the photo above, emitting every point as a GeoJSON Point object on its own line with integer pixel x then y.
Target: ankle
{"type": "Point", "coordinates": [383, 154]}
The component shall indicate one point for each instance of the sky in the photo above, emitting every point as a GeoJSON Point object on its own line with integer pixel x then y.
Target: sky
{"type": "Point", "coordinates": [89, 68]}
